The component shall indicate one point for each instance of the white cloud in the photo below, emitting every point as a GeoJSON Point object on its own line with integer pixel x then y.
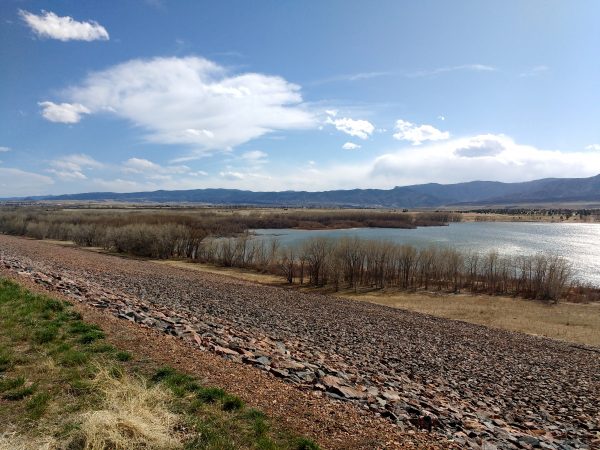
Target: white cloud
{"type": "Point", "coordinates": [193, 101]}
{"type": "Point", "coordinates": [487, 157]}
{"type": "Point", "coordinates": [442, 118]}
{"type": "Point", "coordinates": [4, 149]}
{"type": "Point", "coordinates": [358, 128]}
{"type": "Point", "coordinates": [16, 182]}
{"type": "Point", "coordinates": [72, 167]}
{"type": "Point", "coordinates": [592, 147]}
{"type": "Point", "coordinates": [446, 69]}
{"type": "Point", "coordinates": [255, 156]}
{"type": "Point", "coordinates": [139, 165]}
{"type": "Point", "coordinates": [232, 175]}
{"type": "Point", "coordinates": [152, 170]}
{"type": "Point", "coordinates": [63, 112]}
{"type": "Point", "coordinates": [407, 131]}
{"type": "Point", "coordinates": [49, 25]}
{"type": "Point", "coordinates": [480, 157]}
{"type": "Point", "coordinates": [350, 146]}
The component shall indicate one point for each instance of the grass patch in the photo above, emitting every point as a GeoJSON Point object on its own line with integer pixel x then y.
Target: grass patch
{"type": "Point", "coordinates": [73, 357]}
{"type": "Point", "coordinates": [306, 444]}
{"type": "Point", "coordinates": [123, 356]}
{"type": "Point", "coordinates": [37, 405]}
{"type": "Point", "coordinates": [46, 334]}
{"type": "Point", "coordinates": [232, 403]}
{"type": "Point", "coordinates": [11, 383]}
{"type": "Point", "coordinates": [5, 360]}
{"type": "Point", "coordinates": [53, 361]}
{"type": "Point", "coordinates": [19, 393]}
{"type": "Point", "coordinates": [210, 394]}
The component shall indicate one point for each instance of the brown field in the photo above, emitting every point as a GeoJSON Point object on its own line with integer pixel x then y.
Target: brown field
{"type": "Point", "coordinates": [566, 321]}
{"type": "Point", "coordinates": [495, 217]}
{"type": "Point", "coordinates": [578, 323]}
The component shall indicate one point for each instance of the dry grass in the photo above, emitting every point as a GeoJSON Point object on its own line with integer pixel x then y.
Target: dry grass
{"type": "Point", "coordinates": [578, 323]}
{"type": "Point", "coordinates": [62, 386]}
{"type": "Point", "coordinates": [16, 441]}
{"type": "Point", "coordinates": [233, 272]}
{"type": "Point", "coordinates": [134, 415]}
{"type": "Point", "coordinates": [495, 217]}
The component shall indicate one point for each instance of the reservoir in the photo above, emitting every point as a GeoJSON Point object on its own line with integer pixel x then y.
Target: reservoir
{"type": "Point", "coordinates": [579, 243]}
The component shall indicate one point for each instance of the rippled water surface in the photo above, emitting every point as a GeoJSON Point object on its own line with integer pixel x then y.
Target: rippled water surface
{"type": "Point", "coordinates": [577, 242]}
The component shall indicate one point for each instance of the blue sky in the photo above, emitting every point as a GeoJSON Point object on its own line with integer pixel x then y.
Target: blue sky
{"type": "Point", "coordinates": [272, 95]}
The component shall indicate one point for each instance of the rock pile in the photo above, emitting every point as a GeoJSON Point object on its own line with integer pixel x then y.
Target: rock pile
{"type": "Point", "coordinates": [483, 388]}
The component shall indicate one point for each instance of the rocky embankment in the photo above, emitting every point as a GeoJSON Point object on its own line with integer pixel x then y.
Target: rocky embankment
{"type": "Point", "coordinates": [477, 386]}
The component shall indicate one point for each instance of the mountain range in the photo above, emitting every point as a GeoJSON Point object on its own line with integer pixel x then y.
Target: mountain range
{"type": "Point", "coordinates": [483, 193]}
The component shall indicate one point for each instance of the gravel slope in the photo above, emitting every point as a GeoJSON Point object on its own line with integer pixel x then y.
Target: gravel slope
{"type": "Point", "coordinates": [475, 385]}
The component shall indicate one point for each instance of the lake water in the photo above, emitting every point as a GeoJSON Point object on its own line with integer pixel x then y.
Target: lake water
{"type": "Point", "coordinates": [579, 243]}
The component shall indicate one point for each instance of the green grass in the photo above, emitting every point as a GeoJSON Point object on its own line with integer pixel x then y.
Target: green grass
{"type": "Point", "coordinates": [19, 393]}
{"type": "Point", "coordinates": [210, 394]}
{"type": "Point", "coordinates": [5, 360]}
{"type": "Point", "coordinates": [123, 356]}
{"type": "Point", "coordinates": [36, 406]}
{"type": "Point", "coordinates": [49, 358]}
{"type": "Point", "coordinates": [11, 383]}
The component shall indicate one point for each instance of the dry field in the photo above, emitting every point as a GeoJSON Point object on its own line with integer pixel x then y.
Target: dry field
{"type": "Point", "coordinates": [566, 321]}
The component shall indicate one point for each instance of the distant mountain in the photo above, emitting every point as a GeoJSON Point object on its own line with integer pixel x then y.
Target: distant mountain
{"type": "Point", "coordinates": [423, 195]}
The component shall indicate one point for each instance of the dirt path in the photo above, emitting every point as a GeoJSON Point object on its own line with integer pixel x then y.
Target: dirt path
{"type": "Point", "coordinates": [472, 384]}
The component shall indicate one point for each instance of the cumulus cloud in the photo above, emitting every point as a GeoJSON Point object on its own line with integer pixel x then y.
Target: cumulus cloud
{"type": "Point", "coordinates": [63, 112]}
{"type": "Point", "coordinates": [358, 128]}
{"type": "Point", "coordinates": [16, 182]}
{"type": "Point", "coordinates": [592, 147]}
{"type": "Point", "coordinates": [49, 25]}
{"type": "Point", "coordinates": [483, 157]}
{"type": "Point", "coordinates": [193, 101]}
{"type": "Point", "coordinates": [350, 146]}
{"type": "Point", "coordinates": [407, 131]}
{"type": "Point", "coordinates": [139, 165]}
{"type": "Point", "coordinates": [152, 170]}
{"type": "Point", "coordinates": [232, 175]}
{"type": "Point", "coordinates": [480, 146]}
{"type": "Point", "coordinates": [72, 167]}
{"type": "Point", "coordinates": [487, 157]}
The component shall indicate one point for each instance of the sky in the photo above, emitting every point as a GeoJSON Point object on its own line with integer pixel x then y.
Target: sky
{"type": "Point", "coordinates": [141, 95]}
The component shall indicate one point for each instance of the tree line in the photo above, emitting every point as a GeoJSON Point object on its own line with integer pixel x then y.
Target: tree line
{"type": "Point", "coordinates": [347, 263]}
{"type": "Point", "coordinates": [353, 263]}
{"type": "Point", "coordinates": [178, 234]}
